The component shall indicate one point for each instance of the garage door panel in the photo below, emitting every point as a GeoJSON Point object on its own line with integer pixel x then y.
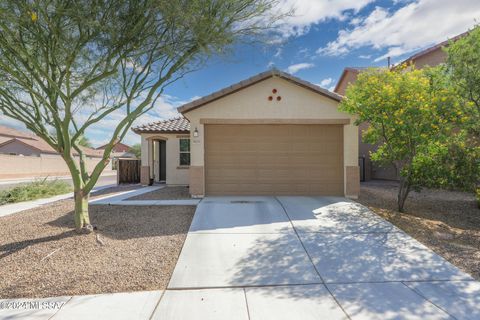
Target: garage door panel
{"type": "Point", "coordinates": [274, 159]}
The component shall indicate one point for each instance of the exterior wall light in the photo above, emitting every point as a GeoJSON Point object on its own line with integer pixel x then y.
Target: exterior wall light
{"type": "Point", "coordinates": [195, 132]}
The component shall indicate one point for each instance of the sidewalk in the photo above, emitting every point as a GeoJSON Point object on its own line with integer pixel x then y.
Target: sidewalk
{"type": "Point", "coordinates": [118, 306]}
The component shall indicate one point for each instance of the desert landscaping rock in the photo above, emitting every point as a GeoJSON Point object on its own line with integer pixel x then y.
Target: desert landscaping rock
{"type": "Point", "coordinates": [41, 255]}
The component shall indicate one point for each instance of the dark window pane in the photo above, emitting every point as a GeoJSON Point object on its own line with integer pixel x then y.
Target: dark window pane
{"type": "Point", "coordinates": [184, 159]}
{"type": "Point", "coordinates": [184, 145]}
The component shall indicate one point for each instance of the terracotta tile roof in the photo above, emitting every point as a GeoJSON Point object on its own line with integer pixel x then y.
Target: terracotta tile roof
{"type": "Point", "coordinates": [253, 80]}
{"type": "Point", "coordinates": [177, 125]}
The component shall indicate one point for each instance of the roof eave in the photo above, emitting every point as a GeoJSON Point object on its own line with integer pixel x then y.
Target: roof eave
{"type": "Point", "coordinates": [252, 81]}
{"type": "Point", "coordinates": [161, 131]}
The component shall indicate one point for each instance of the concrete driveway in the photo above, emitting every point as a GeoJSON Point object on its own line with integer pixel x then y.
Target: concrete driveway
{"type": "Point", "coordinates": [309, 258]}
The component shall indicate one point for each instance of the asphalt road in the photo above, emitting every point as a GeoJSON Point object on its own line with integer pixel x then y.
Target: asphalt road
{"type": "Point", "coordinates": [102, 181]}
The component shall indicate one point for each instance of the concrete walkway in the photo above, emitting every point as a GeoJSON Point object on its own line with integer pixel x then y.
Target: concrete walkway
{"type": "Point", "coordinates": [286, 258]}
{"type": "Point", "coordinates": [122, 199]}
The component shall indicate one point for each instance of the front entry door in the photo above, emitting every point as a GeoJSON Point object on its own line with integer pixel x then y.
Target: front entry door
{"type": "Point", "coordinates": [162, 156]}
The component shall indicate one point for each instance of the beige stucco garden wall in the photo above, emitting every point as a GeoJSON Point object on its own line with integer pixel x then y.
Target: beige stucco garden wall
{"type": "Point", "coordinates": [297, 105]}
{"type": "Point", "coordinates": [175, 174]}
{"type": "Point", "coordinates": [14, 166]}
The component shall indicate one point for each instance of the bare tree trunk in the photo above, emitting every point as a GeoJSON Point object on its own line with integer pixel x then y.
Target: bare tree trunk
{"type": "Point", "coordinates": [81, 216]}
{"type": "Point", "coordinates": [403, 191]}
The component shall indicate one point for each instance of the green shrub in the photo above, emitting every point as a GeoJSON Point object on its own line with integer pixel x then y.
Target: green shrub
{"type": "Point", "coordinates": [34, 190]}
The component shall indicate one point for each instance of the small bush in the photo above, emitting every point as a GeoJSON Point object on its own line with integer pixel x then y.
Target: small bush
{"type": "Point", "coordinates": [34, 190]}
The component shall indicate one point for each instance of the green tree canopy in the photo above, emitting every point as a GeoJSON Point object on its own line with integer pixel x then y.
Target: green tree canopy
{"type": "Point", "coordinates": [463, 62]}
{"type": "Point", "coordinates": [408, 111]}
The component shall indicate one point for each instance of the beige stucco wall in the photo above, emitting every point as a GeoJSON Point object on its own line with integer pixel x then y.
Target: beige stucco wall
{"type": "Point", "coordinates": [39, 166]}
{"type": "Point", "coordinates": [297, 103]}
{"type": "Point", "coordinates": [433, 58]}
{"type": "Point", "coordinates": [175, 174]}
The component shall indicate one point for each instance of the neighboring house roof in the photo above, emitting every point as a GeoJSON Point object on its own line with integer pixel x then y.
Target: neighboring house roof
{"type": "Point", "coordinates": [408, 61]}
{"type": "Point", "coordinates": [38, 145]}
{"type": "Point", "coordinates": [354, 70]}
{"type": "Point", "coordinates": [177, 125]}
{"type": "Point", "coordinates": [43, 147]}
{"type": "Point", "coordinates": [119, 147]}
{"type": "Point", "coordinates": [13, 133]}
{"type": "Point", "coordinates": [428, 50]}
{"type": "Point", "coordinates": [35, 142]}
{"type": "Point", "coordinates": [253, 80]}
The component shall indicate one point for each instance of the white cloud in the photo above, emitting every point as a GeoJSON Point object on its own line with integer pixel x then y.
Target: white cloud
{"type": "Point", "coordinates": [309, 12]}
{"type": "Point", "coordinates": [294, 68]}
{"type": "Point", "coordinates": [326, 82]}
{"type": "Point", "coordinates": [416, 25]}
{"type": "Point", "coordinates": [365, 56]}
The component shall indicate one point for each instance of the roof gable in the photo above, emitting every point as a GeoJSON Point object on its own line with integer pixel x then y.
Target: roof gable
{"type": "Point", "coordinates": [254, 80]}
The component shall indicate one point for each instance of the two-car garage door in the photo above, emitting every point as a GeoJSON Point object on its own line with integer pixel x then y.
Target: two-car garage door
{"type": "Point", "coordinates": [283, 159]}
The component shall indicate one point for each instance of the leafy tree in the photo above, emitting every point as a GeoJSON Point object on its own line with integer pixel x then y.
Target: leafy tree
{"type": "Point", "coordinates": [408, 113]}
{"type": "Point", "coordinates": [460, 164]}
{"type": "Point", "coordinates": [136, 149]}
{"type": "Point", "coordinates": [69, 64]}
{"type": "Point", "coordinates": [463, 62]}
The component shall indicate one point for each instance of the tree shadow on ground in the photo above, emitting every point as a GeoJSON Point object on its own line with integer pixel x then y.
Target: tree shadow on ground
{"type": "Point", "coordinates": [13, 247]}
{"type": "Point", "coordinates": [352, 258]}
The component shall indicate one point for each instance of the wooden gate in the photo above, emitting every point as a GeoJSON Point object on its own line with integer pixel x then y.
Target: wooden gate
{"type": "Point", "coordinates": [128, 171]}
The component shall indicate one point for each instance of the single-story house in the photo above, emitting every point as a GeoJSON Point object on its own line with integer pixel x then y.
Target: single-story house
{"type": "Point", "coordinates": [119, 151]}
{"type": "Point", "coordinates": [272, 134]}
{"type": "Point", "coordinates": [117, 148]}
{"type": "Point", "coordinates": [24, 154]}
{"type": "Point", "coordinates": [431, 56]}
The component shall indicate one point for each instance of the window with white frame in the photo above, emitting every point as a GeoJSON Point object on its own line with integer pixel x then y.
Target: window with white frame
{"type": "Point", "coordinates": [184, 152]}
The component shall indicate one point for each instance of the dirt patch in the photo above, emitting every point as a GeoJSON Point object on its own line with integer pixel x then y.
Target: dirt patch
{"type": "Point", "coordinates": [134, 248]}
{"type": "Point", "coordinates": [166, 193]}
{"type": "Point", "coordinates": [448, 222]}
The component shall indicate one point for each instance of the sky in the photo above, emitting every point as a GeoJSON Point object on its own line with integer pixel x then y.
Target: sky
{"type": "Point", "coordinates": [316, 43]}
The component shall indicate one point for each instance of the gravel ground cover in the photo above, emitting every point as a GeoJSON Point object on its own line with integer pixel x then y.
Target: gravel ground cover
{"type": "Point", "coordinates": [134, 248]}
{"type": "Point", "coordinates": [446, 221]}
{"type": "Point", "coordinates": [166, 193]}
